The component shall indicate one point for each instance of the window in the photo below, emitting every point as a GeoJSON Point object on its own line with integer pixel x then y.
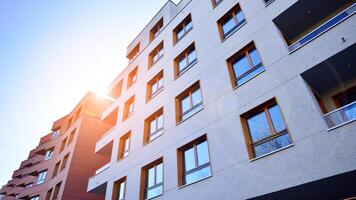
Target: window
{"type": "Point", "coordinates": [132, 78]}
{"type": "Point", "coordinates": [133, 53]}
{"type": "Point", "coordinates": [69, 123]}
{"type": "Point", "coordinates": [48, 195]}
{"type": "Point", "coordinates": [154, 86]}
{"type": "Point", "coordinates": [216, 2]}
{"type": "Point", "coordinates": [231, 22]}
{"type": "Point", "coordinates": [194, 161]}
{"type": "Point", "coordinates": [56, 168]}
{"type": "Point", "coordinates": [77, 114]}
{"type": "Point", "coordinates": [244, 65]}
{"type": "Point", "coordinates": [188, 102]}
{"type": "Point", "coordinates": [56, 191]}
{"type": "Point", "coordinates": [115, 92]}
{"type": "Point", "coordinates": [41, 177]}
{"type": "Point", "coordinates": [129, 108]}
{"type": "Point", "coordinates": [265, 130]}
{"type": "Point", "coordinates": [35, 198]}
{"type": "Point", "coordinates": [124, 146]}
{"type": "Point", "coordinates": [29, 185]}
{"type": "Point", "coordinates": [119, 189]}
{"type": "Point", "coordinates": [185, 60]}
{"type": "Point", "coordinates": [267, 2]}
{"type": "Point", "coordinates": [64, 163]}
{"type": "Point", "coordinates": [156, 30]}
{"type": "Point", "coordinates": [55, 134]}
{"type": "Point", "coordinates": [153, 126]}
{"type": "Point", "coordinates": [155, 55]}
{"type": "Point", "coordinates": [63, 144]}
{"type": "Point", "coordinates": [152, 180]}
{"type": "Point", "coordinates": [48, 154]}
{"type": "Point", "coordinates": [71, 136]}
{"type": "Point", "coordinates": [182, 29]}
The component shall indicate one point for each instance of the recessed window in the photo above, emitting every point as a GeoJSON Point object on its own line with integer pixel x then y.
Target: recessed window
{"type": "Point", "coordinates": [77, 114]}
{"type": "Point", "coordinates": [124, 146]}
{"type": "Point", "coordinates": [182, 29]}
{"type": "Point", "coordinates": [115, 92]}
{"type": "Point", "coordinates": [64, 163]}
{"type": "Point", "coordinates": [49, 194]}
{"type": "Point", "coordinates": [71, 137]}
{"type": "Point", "coordinates": [152, 179]}
{"type": "Point", "coordinates": [29, 185]}
{"type": "Point", "coordinates": [185, 60]}
{"type": "Point", "coordinates": [48, 154]}
{"type": "Point", "coordinates": [133, 53]}
{"type": "Point", "coordinates": [153, 126]}
{"type": "Point", "coordinates": [231, 21]}
{"type": "Point", "coordinates": [265, 129]}
{"type": "Point", "coordinates": [129, 108]}
{"type": "Point", "coordinates": [132, 78]}
{"type": "Point", "coordinates": [69, 123]}
{"type": "Point", "coordinates": [155, 55]}
{"type": "Point", "coordinates": [156, 30]}
{"type": "Point", "coordinates": [63, 145]}
{"type": "Point", "coordinates": [56, 168]}
{"type": "Point", "coordinates": [155, 85]}
{"type": "Point", "coordinates": [35, 198]}
{"type": "Point", "coordinates": [41, 177]}
{"type": "Point", "coordinates": [194, 161]}
{"type": "Point", "coordinates": [189, 102]}
{"type": "Point", "coordinates": [56, 190]}
{"type": "Point", "coordinates": [55, 134]}
{"type": "Point", "coordinates": [216, 2]}
{"type": "Point", "coordinates": [119, 189]}
{"type": "Point", "coordinates": [244, 65]}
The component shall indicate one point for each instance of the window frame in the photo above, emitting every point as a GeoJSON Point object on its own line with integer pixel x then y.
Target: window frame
{"type": "Point", "coordinates": [155, 52]}
{"type": "Point", "coordinates": [151, 83]}
{"type": "Point", "coordinates": [182, 173]}
{"type": "Point", "coordinates": [184, 56]}
{"type": "Point", "coordinates": [132, 55]}
{"type": "Point", "coordinates": [128, 103]}
{"type": "Point", "coordinates": [144, 179]}
{"type": "Point", "coordinates": [216, 2]}
{"type": "Point", "coordinates": [187, 93]}
{"type": "Point", "coordinates": [231, 14]}
{"type": "Point", "coordinates": [130, 78]}
{"type": "Point", "coordinates": [117, 188]}
{"type": "Point", "coordinates": [49, 155]}
{"type": "Point", "coordinates": [64, 162]}
{"type": "Point", "coordinates": [63, 145]}
{"type": "Point", "coordinates": [123, 153]}
{"type": "Point", "coordinates": [156, 29]}
{"type": "Point", "coordinates": [263, 108]}
{"type": "Point", "coordinates": [182, 26]}
{"type": "Point", "coordinates": [43, 175]}
{"type": "Point", "coordinates": [244, 52]}
{"type": "Point", "coordinates": [147, 126]}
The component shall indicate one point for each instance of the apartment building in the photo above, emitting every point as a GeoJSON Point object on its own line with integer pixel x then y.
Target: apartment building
{"type": "Point", "coordinates": [59, 167]}
{"type": "Point", "coordinates": [235, 99]}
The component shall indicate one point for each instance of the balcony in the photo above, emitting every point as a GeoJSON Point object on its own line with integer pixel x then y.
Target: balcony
{"type": "Point", "coordinates": [103, 168]}
{"type": "Point", "coordinates": [307, 19]}
{"type": "Point", "coordinates": [333, 83]}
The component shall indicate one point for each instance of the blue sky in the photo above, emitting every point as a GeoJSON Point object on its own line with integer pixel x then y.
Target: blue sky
{"type": "Point", "coordinates": [51, 54]}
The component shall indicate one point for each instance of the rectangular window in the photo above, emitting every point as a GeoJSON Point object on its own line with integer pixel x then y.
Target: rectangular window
{"type": "Point", "coordinates": [188, 102]}
{"type": "Point", "coordinates": [119, 189]}
{"type": "Point", "coordinates": [182, 29]}
{"type": "Point", "coordinates": [185, 60]}
{"type": "Point", "coordinates": [154, 86]}
{"type": "Point", "coordinates": [231, 22]}
{"type": "Point", "coordinates": [69, 123]}
{"type": "Point", "coordinates": [115, 92]}
{"type": "Point", "coordinates": [129, 108]}
{"type": "Point", "coordinates": [49, 194]}
{"type": "Point", "coordinates": [56, 168]}
{"type": "Point", "coordinates": [48, 154]}
{"type": "Point", "coordinates": [133, 53]}
{"type": "Point", "coordinates": [35, 198]}
{"type": "Point", "coordinates": [63, 145]}
{"type": "Point", "coordinates": [155, 55]}
{"type": "Point", "coordinates": [244, 65]}
{"type": "Point", "coordinates": [216, 2]}
{"type": "Point", "coordinates": [77, 114]}
{"type": "Point", "coordinates": [152, 180]}
{"type": "Point", "coordinates": [194, 161]}
{"type": "Point", "coordinates": [55, 134]}
{"type": "Point", "coordinates": [64, 163]}
{"type": "Point", "coordinates": [265, 129]}
{"type": "Point", "coordinates": [153, 127]}
{"type": "Point", "coordinates": [71, 136]}
{"type": "Point", "coordinates": [41, 177]}
{"type": "Point", "coordinates": [132, 78]}
{"type": "Point", "coordinates": [156, 30]}
{"type": "Point", "coordinates": [56, 191]}
{"type": "Point", "coordinates": [29, 185]}
{"type": "Point", "coordinates": [124, 146]}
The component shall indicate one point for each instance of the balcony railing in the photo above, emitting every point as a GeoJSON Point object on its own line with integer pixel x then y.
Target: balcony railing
{"type": "Point", "coordinates": [323, 28]}
{"type": "Point", "coordinates": [103, 168]}
{"type": "Point", "coordinates": [341, 116]}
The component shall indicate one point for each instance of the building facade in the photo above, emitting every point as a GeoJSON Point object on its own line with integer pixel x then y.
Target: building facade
{"type": "Point", "coordinates": [59, 167]}
{"type": "Point", "coordinates": [235, 99]}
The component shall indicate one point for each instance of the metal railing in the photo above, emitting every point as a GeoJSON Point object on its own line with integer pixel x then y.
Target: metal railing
{"type": "Point", "coordinates": [341, 116]}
